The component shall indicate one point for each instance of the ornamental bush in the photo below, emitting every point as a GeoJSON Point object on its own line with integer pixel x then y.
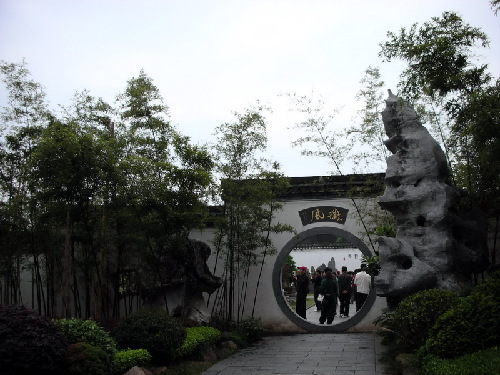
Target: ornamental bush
{"type": "Point", "coordinates": [29, 343]}
{"type": "Point", "coordinates": [85, 359]}
{"type": "Point", "coordinates": [470, 325]}
{"type": "Point", "coordinates": [250, 329]}
{"type": "Point", "coordinates": [484, 362]}
{"type": "Point", "coordinates": [126, 359]}
{"type": "Point", "coordinates": [408, 326]}
{"type": "Point", "coordinates": [87, 331]}
{"type": "Point", "coordinates": [197, 338]}
{"type": "Point", "coordinates": [153, 330]}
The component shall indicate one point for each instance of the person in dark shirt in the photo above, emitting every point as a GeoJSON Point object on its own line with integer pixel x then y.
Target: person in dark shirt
{"type": "Point", "coordinates": [329, 288]}
{"type": "Point", "coordinates": [302, 291]}
{"type": "Point", "coordinates": [345, 288]}
{"type": "Point", "coordinates": [317, 283]}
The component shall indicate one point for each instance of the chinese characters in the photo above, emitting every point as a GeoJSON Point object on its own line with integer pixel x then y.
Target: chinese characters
{"type": "Point", "coordinates": [323, 214]}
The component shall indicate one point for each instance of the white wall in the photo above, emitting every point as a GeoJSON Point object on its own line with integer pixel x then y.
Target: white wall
{"type": "Point", "coordinates": [267, 306]}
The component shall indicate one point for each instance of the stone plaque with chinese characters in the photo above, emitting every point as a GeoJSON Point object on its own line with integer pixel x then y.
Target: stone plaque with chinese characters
{"type": "Point", "coordinates": [323, 214]}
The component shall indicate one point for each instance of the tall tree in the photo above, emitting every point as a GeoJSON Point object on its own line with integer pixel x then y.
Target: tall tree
{"type": "Point", "coordinates": [166, 177]}
{"type": "Point", "coordinates": [98, 256]}
{"type": "Point", "coordinates": [440, 58]}
{"type": "Point", "coordinates": [337, 145]}
{"type": "Point", "coordinates": [21, 121]}
{"type": "Point", "coordinates": [367, 134]}
{"type": "Point", "coordinates": [66, 172]}
{"type": "Point", "coordinates": [250, 189]}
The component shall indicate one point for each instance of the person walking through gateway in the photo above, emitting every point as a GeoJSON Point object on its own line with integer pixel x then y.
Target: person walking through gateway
{"type": "Point", "coordinates": [317, 283]}
{"type": "Point", "coordinates": [302, 288]}
{"type": "Point", "coordinates": [363, 282]}
{"type": "Point", "coordinates": [345, 287]}
{"type": "Point", "coordinates": [329, 289]}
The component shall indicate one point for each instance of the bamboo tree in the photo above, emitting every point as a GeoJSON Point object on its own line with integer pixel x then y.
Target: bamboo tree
{"type": "Point", "coordinates": [326, 142]}
{"type": "Point", "coordinates": [98, 254]}
{"type": "Point", "coordinates": [66, 170]}
{"type": "Point", "coordinates": [23, 117]}
{"type": "Point", "coordinates": [250, 199]}
{"type": "Point", "coordinates": [167, 178]}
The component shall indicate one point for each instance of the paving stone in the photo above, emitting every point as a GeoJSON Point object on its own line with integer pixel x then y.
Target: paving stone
{"type": "Point", "coordinates": [307, 354]}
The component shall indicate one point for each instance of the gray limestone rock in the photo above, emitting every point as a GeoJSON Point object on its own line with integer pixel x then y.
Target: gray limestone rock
{"type": "Point", "coordinates": [185, 277]}
{"type": "Point", "coordinates": [426, 252]}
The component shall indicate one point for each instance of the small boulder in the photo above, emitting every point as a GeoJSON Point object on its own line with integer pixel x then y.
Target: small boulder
{"type": "Point", "coordinates": [208, 355]}
{"type": "Point", "coordinates": [407, 364]}
{"type": "Point", "coordinates": [136, 371]}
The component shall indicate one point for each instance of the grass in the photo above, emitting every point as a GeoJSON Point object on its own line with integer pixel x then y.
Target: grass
{"type": "Point", "coordinates": [309, 302]}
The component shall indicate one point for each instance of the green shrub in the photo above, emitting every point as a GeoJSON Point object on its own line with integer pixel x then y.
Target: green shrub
{"type": "Point", "coordinates": [86, 359]}
{"type": "Point", "coordinates": [408, 326]}
{"type": "Point", "coordinates": [89, 332]}
{"type": "Point", "coordinates": [126, 359]}
{"type": "Point", "coordinates": [470, 325]}
{"type": "Point", "coordinates": [485, 362]}
{"type": "Point", "coordinates": [196, 338]}
{"type": "Point", "coordinates": [29, 343]}
{"type": "Point", "coordinates": [153, 330]}
{"type": "Point", "coordinates": [250, 329]}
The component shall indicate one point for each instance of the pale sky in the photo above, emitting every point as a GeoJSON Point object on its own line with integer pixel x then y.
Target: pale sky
{"type": "Point", "coordinates": [210, 58]}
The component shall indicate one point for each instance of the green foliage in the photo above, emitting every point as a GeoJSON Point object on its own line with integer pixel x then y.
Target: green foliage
{"type": "Point", "coordinates": [85, 359]}
{"type": "Point", "coordinates": [126, 359]}
{"type": "Point", "coordinates": [470, 325]}
{"type": "Point", "coordinates": [384, 230]}
{"type": "Point", "coordinates": [89, 332]}
{"type": "Point", "coordinates": [408, 326]}
{"type": "Point", "coordinates": [439, 56]}
{"type": "Point", "coordinates": [483, 362]}
{"type": "Point", "coordinates": [26, 98]}
{"type": "Point", "coordinates": [118, 178]}
{"type": "Point", "coordinates": [479, 123]}
{"type": "Point", "coordinates": [196, 338]}
{"type": "Point", "coordinates": [372, 264]}
{"type": "Point", "coordinates": [250, 190]}
{"type": "Point", "coordinates": [29, 343]}
{"type": "Point", "coordinates": [250, 329]}
{"type": "Point", "coordinates": [458, 95]}
{"type": "Point", "coordinates": [153, 330]}
{"type": "Point", "coordinates": [366, 135]}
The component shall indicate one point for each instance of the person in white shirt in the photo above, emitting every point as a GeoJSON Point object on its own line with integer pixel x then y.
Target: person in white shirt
{"type": "Point", "coordinates": [363, 282]}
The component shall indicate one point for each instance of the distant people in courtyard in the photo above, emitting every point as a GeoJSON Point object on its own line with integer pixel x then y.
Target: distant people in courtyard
{"type": "Point", "coordinates": [302, 288]}
{"type": "Point", "coordinates": [329, 289]}
{"type": "Point", "coordinates": [317, 283]}
{"type": "Point", "coordinates": [353, 289]}
{"type": "Point", "coordinates": [363, 282]}
{"type": "Point", "coordinates": [345, 288]}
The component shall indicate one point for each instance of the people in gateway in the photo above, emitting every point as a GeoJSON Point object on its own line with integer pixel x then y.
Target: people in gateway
{"type": "Point", "coordinates": [316, 280]}
{"type": "Point", "coordinates": [302, 289]}
{"type": "Point", "coordinates": [363, 282]}
{"type": "Point", "coordinates": [345, 288]}
{"type": "Point", "coordinates": [329, 289]}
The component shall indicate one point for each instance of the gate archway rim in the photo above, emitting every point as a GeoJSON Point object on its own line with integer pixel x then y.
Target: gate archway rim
{"type": "Point", "coordinates": [277, 287]}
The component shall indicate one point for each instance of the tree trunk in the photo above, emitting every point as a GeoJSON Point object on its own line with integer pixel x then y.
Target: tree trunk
{"type": "Point", "coordinates": [67, 272]}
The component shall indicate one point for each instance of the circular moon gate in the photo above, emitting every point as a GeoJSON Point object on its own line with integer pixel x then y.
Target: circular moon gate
{"type": "Point", "coordinates": [277, 287]}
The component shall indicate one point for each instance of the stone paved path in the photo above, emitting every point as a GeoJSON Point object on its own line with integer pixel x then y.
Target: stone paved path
{"type": "Point", "coordinates": [304, 354]}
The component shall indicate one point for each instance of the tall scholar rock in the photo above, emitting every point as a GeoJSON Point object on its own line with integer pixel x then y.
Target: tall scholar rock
{"type": "Point", "coordinates": [433, 248]}
{"type": "Point", "coordinates": [182, 279]}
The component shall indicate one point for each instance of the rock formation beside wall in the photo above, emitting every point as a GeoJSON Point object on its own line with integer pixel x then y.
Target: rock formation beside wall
{"type": "Point", "coordinates": [433, 247]}
{"type": "Point", "coordinates": [184, 278]}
